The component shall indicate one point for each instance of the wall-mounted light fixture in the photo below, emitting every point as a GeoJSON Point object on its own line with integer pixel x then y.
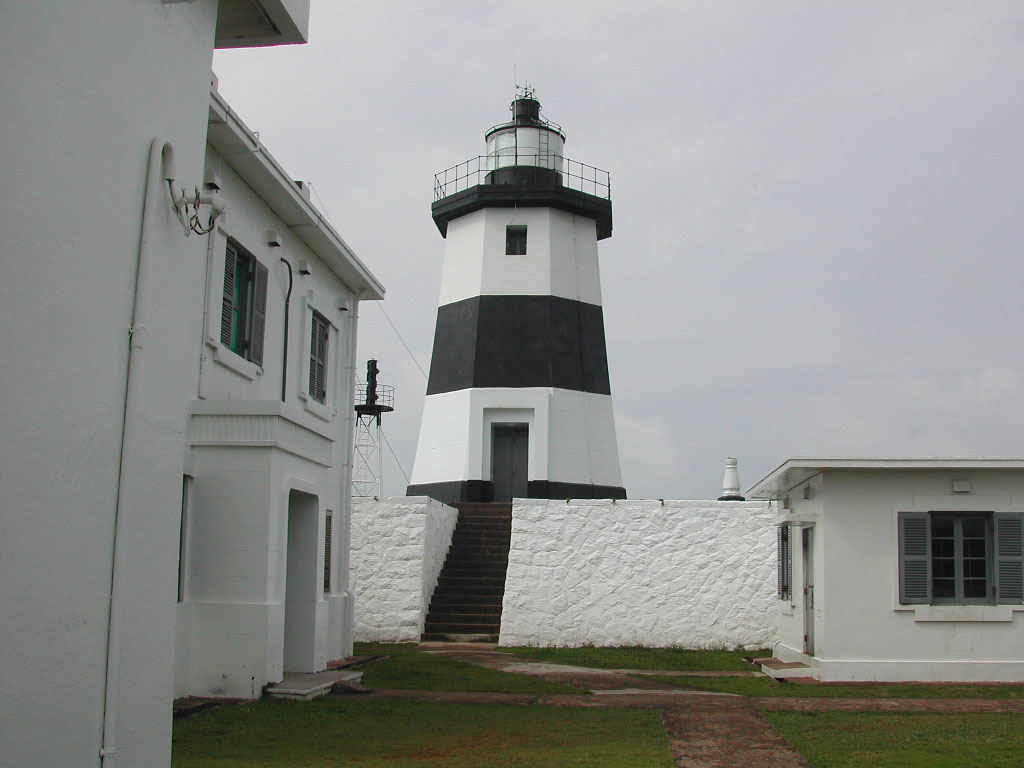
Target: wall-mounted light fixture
{"type": "Point", "coordinates": [304, 268]}
{"type": "Point", "coordinates": [962, 485]}
{"type": "Point", "coordinates": [273, 238]}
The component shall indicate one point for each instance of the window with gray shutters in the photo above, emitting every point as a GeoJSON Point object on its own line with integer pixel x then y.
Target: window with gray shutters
{"type": "Point", "coordinates": [318, 358]}
{"type": "Point", "coordinates": [961, 558]}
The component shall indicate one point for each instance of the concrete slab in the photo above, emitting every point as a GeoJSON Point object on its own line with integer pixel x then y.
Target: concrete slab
{"type": "Point", "coordinates": [309, 685]}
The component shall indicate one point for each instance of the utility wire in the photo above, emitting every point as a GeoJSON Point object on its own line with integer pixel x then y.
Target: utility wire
{"type": "Point", "coordinates": [391, 323]}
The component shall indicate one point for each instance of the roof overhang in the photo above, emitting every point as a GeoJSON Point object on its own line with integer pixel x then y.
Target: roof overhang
{"type": "Point", "coordinates": [241, 150]}
{"type": "Point", "coordinates": [255, 23]}
{"type": "Point", "coordinates": [793, 472]}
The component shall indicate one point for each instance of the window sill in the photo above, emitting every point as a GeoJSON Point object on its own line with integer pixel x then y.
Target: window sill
{"type": "Point", "coordinates": [317, 409]}
{"type": "Point", "coordinates": [928, 613]}
{"type": "Point", "coordinates": [238, 364]}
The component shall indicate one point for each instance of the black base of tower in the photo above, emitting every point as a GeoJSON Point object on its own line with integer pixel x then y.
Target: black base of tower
{"type": "Point", "coordinates": [458, 491]}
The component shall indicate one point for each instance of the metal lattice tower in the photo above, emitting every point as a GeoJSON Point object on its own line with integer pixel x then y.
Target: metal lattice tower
{"type": "Point", "coordinates": [372, 400]}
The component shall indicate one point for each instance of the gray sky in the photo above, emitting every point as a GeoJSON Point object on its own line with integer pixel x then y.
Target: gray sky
{"type": "Point", "coordinates": [818, 219]}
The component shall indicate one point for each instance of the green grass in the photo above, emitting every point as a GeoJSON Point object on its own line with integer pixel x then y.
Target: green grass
{"type": "Point", "coordinates": [635, 657]}
{"type": "Point", "coordinates": [372, 734]}
{"type": "Point", "coordinates": [766, 686]}
{"type": "Point", "coordinates": [903, 740]}
{"type": "Point", "coordinates": [409, 667]}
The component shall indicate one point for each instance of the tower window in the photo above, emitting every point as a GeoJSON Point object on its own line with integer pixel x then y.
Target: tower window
{"type": "Point", "coordinates": [515, 240]}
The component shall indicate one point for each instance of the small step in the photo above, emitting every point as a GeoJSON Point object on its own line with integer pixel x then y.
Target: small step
{"type": "Point", "coordinates": [781, 670]}
{"type": "Point", "coordinates": [309, 685]}
{"type": "Point", "coordinates": [455, 637]}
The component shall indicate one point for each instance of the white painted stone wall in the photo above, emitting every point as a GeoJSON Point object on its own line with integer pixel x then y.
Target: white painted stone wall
{"type": "Point", "coordinates": [399, 545]}
{"type": "Point", "coordinates": [695, 574]}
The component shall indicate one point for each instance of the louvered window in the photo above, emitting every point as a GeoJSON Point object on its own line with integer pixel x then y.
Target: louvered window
{"type": "Point", "coordinates": [318, 358]}
{"type": "Point", "coordinates": [961, 558]}
{"type": "Point", "coordinates": [785, 562]}
{"type": "Point", "coordinates": [327, 554]}
{"type": "Point", "coordinates": [244, 304]}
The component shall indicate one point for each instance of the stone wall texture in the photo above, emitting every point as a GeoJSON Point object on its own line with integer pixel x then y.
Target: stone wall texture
{"type": "Point", "coordinates": [694, 574]}
{"type": "Point", "coordinates": [398, 548]}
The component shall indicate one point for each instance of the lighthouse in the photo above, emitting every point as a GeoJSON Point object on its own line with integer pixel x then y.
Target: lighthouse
{"type": "Point", "coordinates": [518, 401]}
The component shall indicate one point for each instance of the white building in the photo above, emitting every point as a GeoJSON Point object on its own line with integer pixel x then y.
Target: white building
{"type": "Point", "coordinates": [114, 386]}
{"type": "Point", "coordinates": [899, 569]}
{"type": "Point", "coordinates": [263, 572]}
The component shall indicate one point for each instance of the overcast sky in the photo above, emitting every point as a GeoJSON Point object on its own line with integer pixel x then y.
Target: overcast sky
{"type": "Point", "coordinates": [818, 207]}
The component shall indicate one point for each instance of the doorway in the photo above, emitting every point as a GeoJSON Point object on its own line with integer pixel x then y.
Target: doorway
{"type": "Point", "coordinates": [510, 461]}
{"type": "Point", "coordinates": [301, 583]}
{"type": "Point", "coordinates": [807, 546]}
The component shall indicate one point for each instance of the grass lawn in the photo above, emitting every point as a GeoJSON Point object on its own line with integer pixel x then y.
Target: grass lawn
{"type": "Point", "coordinates": [766, 686]}
{"type": "Point", "coordinates": [635, 657]}
{"type": "Point", "coordinates": [372, 734]}
{"type": "Point", "coordinates": [409, 667]}
{"type": "Point", "coordinates": [903, 740]}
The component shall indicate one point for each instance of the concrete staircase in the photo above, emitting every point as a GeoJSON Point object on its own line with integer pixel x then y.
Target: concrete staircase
{"type": "Point", "coordinates": [466, 606]}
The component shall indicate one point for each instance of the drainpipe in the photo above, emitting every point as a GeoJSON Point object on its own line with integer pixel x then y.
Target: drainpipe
{"type": "Point", "coordinates": [160, 170]}
{"type": "Point", "coordinates": [284, 358]}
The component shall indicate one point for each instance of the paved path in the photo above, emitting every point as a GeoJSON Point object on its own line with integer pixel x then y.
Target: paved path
{"type": "Point", "coordinates": [705, 730]}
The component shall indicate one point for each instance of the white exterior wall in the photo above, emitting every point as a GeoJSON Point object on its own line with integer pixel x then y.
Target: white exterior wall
{"type": "Point", "coordinates": [560, 259]}
{"type": "Point", "coordinates": [85, 89]}
{"type": "Point", "coordinates": [571, 434]}
{"type": "Point", "coordinates": [250, 452]}
{"type": "Point", "coordinates": [399, 545]}
{"type": "Point", "coordinates": [861, 630]}
{"type": "Point", "coordinates": [696, 574]}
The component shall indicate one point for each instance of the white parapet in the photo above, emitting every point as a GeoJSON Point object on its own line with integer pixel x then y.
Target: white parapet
{"type": "Point", "coordinates": [694, 574]}
{"type": "Point", "coordinates": [399, 545]}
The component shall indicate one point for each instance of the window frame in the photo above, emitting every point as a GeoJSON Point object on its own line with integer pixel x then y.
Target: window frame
{"type": "Point", "coordinates": [319, 357]}
{"type": "Point", "coordinates": [243, 303]}
{"type": "Point", "coordinates": [515, 240]}
{"type": "Point", "coordinates": [1004, 558]}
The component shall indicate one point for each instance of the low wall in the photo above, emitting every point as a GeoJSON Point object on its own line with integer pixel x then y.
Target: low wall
{"type": "Point", "coordinates": [695, 574]}
{"type": "Point", "coordinates": [398, 548]}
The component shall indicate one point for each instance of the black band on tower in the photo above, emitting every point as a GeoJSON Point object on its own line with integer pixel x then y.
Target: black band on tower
{"type": "Point", "coordinates": [519, 341]}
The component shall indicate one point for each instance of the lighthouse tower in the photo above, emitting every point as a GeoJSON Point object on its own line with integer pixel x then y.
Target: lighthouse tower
{"type": "Point", "coordinates": [518, 400]}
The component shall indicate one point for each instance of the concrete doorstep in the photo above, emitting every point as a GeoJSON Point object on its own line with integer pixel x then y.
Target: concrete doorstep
{"type": "Point", "coordinates": [308, 685]}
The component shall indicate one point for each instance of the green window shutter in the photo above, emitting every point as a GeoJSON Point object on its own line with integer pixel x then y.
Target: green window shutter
{"type": "Point", "coordinates": [915, 558]}
{"type": "Point", "coordinates": [259, 313]}
{"type": "Point", "coordinates": [1009, 559]}
{"type": "Point", "coordinates": [228, 302]}
{"type": "Point", "coordinates": [318, 358]}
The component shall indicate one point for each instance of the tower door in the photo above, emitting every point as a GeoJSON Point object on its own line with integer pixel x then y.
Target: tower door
{"type": "Point", "coordinates": [510, 455]}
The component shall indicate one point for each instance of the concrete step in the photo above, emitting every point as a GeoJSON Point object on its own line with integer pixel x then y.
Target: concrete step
{"type": "Point", "coordinates": [459, 603]}
{"type": "Point", "coordinates": [309, 685]}
{"type": "Point", "coordinates": [455, 637]}
{"type": "Point", "coordinates": [782, 670]}
{"type": "Point", "coordinates": [462, 628]}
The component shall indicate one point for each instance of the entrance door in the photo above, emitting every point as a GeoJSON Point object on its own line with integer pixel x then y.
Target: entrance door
{"type": "Point", "coordinates": [510, 454]}
{"type": "Point", "coordinates": [808, 568]}
{"type": "Point", "coordinates": [301, 583]}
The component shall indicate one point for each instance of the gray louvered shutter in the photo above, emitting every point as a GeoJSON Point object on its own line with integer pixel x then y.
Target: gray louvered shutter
{"type": "Point", "coordinates": [785, 561]}
{"type": "Point", "coordinates": [228, 302]}
{"type": "Point", "coordinates": [1009, 559]}
{"type": "Point", "coordinates": [915, 558]}
{"type": "Point", "coordinates": [259, 313]}
{"type": "Point", "coordinates": [327, 554]}
{"type": "Point", "coordinates": [318, 359]}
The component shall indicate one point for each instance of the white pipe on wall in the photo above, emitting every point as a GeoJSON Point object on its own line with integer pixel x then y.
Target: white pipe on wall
{"type": "Point", "coordinates": [161, 169]}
